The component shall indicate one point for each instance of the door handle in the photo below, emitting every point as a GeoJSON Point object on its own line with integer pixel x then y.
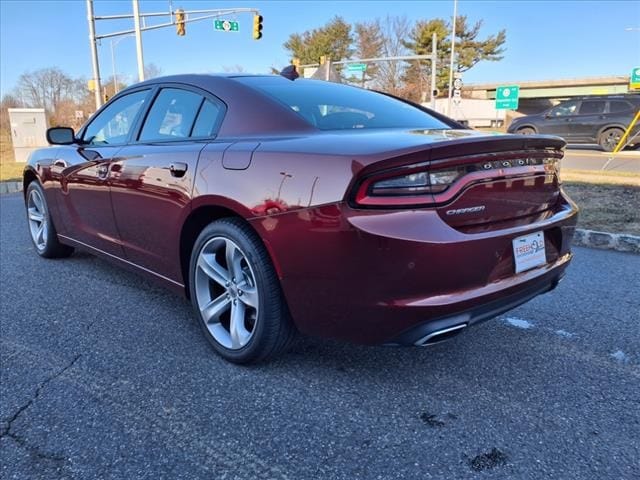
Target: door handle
{"type": "Point", "coordinates": [60, 163]}
{"type": "Point", "coordinates": [178, 169]}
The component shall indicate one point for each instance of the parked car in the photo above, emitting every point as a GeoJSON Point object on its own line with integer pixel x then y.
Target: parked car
{"type": "Point", "coordinates": [595, 119]}
{"type": "Point", "coordinates": [282, 206]}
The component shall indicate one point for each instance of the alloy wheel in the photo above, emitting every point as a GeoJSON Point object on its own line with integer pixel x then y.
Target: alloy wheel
{"type": "Point", "coordinates": [226, 293]}
{"type": "Point", "coordinates": [611, 139]}
{"type": "Point", "coordinates": [37, 219]}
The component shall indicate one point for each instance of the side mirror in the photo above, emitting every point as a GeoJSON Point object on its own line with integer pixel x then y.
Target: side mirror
{"type": "Point", "coordinates": [61, 136]}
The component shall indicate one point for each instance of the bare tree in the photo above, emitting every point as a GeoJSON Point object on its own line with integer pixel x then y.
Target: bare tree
{"type": "Point", "coordinates": [45, 88]}
{"type": "Point", "coordinates": [8, 101]}
{"type": "Point", "coordinates": [395, 30]}
{"type": "Point", "coordinates": [151, 70]}
{"type": "Point", "coordinates": [233, 68]}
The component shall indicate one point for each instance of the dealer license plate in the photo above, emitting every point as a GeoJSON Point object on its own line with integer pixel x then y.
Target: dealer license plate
{"type": "Point", "coordinates": [528, 251]}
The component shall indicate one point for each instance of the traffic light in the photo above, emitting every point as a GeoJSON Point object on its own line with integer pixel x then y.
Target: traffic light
{"type": "Point", "coordinates": [180, 25]}
{"type": "Point", "coordinates": [257, 27]}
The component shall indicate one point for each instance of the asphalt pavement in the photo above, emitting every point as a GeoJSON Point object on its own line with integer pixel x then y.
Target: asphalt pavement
{"type": "Point", "coordinates": [580, 157]}
{"type": "Point", "coordinates": [104, 375]}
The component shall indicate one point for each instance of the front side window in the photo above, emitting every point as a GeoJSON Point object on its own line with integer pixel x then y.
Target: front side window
{"type": "Point", "coordinates": [331, 106]}
{"type": "Point", "coordinates": [566, 108]}
{"type": "Point", "coordinates": [592, 107]}
{"type": "Point", "coordinates": [113, 124]}
{"type": "Point", "coordinates": [171, 116]}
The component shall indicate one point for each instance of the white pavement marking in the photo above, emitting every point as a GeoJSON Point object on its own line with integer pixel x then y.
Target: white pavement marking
{"type": "Point", "coordinates": [519, 323]}
{"type": "Point", "coordinates": [620, 356]}
{"type": "Point", "coordinates": [527, 325]}
{"type": "Point", "coordinates": [564, 333]}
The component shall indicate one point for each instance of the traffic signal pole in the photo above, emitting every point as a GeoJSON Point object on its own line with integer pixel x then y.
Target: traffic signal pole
{"type": "Point", "coordinates": [432, 57]}
{"type": "Point", "coordinates": [94, 54]}
{"type": "Point", "coordinates": [138, 29]}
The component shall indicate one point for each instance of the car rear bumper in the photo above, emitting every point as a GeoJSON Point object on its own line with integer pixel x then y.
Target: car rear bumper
{"type": "Point", "coordinates": [379, 277]}
{"type": "Point", "coordinates": [510, 294]}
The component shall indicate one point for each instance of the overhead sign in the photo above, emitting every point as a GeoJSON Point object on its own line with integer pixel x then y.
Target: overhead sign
{"type": "Point", "coordinates": [507, 97]}
{"type": "Point", "coordinates": [357, 67]}
{"type": "Point", "coordinates": [226, 25]}
{"type": "Point", "coordinates": [634, 81]}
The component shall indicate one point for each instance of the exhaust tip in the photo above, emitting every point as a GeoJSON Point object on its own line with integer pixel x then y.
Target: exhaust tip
{"type": "Point", "coordinates": [440, 335]}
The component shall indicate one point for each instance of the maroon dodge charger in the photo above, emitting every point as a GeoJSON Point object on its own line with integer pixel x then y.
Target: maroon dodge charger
{"type": "Point", "coordinates": [281, 206]}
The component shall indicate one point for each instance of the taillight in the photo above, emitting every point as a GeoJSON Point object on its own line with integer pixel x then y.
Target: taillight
{"type": "Point", "coordinates": [417, 183]}
{"type": "Point", "coordinates": [421, 184]}
{"type": "Point", "coordinates": [552, 165]}
{"type": "Point", "coordinates": [413, 185]}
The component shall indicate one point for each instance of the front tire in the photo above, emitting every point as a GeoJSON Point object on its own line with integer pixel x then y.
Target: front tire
{"type": "Point", "coordinates": [526, 131]}
{"type": "Point", "coordinates": [610, 138]}
{"type": "Point", "coordinates": [236, 294]}
{"type": "Point", "coordinates": [41, 227]}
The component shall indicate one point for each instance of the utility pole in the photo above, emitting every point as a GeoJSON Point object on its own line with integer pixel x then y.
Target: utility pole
{"type": "Point", "coordinates": [434, 55]}
{"type": "Point", "coordinates": [136, 21]}
{"type": "Point", "coordinates": [94, 54]}
{"type": "Point", "coordinates": [453, 46]}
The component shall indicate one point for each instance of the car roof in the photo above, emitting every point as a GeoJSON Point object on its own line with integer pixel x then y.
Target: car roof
{"type": "Point", "coordinates": [199, 77]}
{"type": "Point", "coordinates": [611, 96]}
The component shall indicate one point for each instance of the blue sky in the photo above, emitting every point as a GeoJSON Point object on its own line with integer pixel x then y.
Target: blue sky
{"type": "Point", "coordinates": [545, 39]}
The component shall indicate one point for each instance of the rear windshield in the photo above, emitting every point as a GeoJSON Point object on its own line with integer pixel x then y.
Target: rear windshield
{"type": "Point", "coordinates": [332, 106]}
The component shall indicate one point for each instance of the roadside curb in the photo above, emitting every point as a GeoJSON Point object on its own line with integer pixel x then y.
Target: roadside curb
{"type": "Point", "coordinates": [10, 187]}
{"type": "Point", "coordinates": [621, 242]}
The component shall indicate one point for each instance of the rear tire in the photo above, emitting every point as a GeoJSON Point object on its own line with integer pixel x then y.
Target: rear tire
{"type": "Point", "coordinates": [237, 295]}
{"type": "Point", "coordinates": [41, 227]}
{"type": "Point", "coordinates": [610, 138]}
{"type": "Point", "coordinates": [526, 131]}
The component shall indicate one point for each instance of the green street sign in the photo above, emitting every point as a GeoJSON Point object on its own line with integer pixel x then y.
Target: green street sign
{"type": "Point", "coordinates": [507, 97]}
{"type": "Point", "coordinates": [226, 25]}
{"type": "Point", "coordinates": [634, 81]}
{"type": "Point", "coordinates": [356, 67]}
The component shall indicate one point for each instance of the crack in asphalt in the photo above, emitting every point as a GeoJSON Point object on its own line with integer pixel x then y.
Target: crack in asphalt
{"type": "Point", "coordinates": [175, 432]}
{"type": "Point", "coordinates": [20, 440]}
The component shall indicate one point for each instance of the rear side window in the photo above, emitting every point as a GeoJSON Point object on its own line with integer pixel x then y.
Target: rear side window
{"type": "Point", "coordinates": [591, 107]}
{"type": "Point", "coordinates": [171, 116]}
{"type": "Point", "coordinates": [207, 120]}
{"type": "Point", "coordinates": [616, 106]}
